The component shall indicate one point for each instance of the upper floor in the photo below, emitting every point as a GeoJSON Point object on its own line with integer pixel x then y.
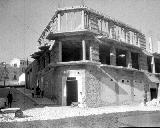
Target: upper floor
{"type": "Point", "coordinates": [80, 19]}
{"type": "Point", "coordinates": [82, 34]}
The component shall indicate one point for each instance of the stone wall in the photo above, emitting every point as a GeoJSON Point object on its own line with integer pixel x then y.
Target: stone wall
{"type": "Point", "coordinates": [92, 87]}
{"type": "Point", "coordinates": [54, 82]}
{"type": "Point", "coordinates": [34, 74]}
{"type": "Point", "coordinates": [102, 90]}
{"type": "Point", "coordinates": [50, 82]}
{"type": "Point", "coordinates": [31, 75]}
{"type": "Point", "coordinates": [94, 51]}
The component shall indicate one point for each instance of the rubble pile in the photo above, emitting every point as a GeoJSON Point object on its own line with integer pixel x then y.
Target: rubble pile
{"type": "Point", "coordinates": [154, 102]}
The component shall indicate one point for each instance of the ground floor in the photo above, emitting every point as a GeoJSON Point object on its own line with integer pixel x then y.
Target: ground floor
{"type": "Point", "coordinates": [93, 85]}
{"type": "Point", "coordinates": [66, 116]}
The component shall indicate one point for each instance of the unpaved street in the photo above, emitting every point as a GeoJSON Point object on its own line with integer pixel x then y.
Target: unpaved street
{"type": "Point", "coordinates": [75, 117]}
{"type": "Point", "coordinates": [19, 100]}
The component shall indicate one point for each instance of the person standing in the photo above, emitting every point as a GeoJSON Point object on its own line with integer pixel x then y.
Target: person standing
{"type": "Point", "coordinates": [10, 98]}
{"type": "Point", "coordinates": [32, 92]}
{"type": "Point", "coordinates": [42, 93]}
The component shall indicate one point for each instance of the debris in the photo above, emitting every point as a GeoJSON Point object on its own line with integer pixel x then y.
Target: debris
{"type": "Point", "coordinates": [19, 114]}
{"type": "Point", "coordinates": [154, 102]}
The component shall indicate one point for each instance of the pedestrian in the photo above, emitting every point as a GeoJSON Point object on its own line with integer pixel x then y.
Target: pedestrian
{"type": "Point", "coordinates": [42, 93]}
{"type": "Point", "coordinates": [32, 92]}
{"type": "Point", "coordinates": [10, 98]}
{"type": "Point", "coordinates": [38, 91]}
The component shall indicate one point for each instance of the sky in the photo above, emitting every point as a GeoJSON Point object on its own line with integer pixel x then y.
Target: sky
{"type": "Point", "coordinates": [22, 21]}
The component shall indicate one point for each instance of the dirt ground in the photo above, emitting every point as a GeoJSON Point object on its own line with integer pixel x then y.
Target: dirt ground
{"type": "Point", "coordinates": [67, 117]}
{"type": "Point", "coordinates": [91, 121]}
{"type": "Point", "coordinates": [19, 100]}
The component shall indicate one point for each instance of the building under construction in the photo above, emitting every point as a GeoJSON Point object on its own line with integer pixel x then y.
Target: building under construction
{"type": "Point", "coordinates": [94, 60]}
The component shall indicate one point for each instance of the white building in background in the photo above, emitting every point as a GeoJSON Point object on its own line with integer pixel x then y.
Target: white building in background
{"type": "Point", "coordinates": [15, 62]}
{"type": "Point", "coordinates": [21, 80]}
{"type": "Point", "coordinates": [20, 65]}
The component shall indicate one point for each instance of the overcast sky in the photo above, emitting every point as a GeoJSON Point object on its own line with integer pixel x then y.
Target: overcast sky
{"type": "Point", "coordinates": [22, 21]}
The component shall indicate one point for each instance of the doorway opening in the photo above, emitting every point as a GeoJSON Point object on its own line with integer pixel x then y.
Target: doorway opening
{"type": "Point", "coordinates": [153, 92]}
{"type": "Point", "coordinates": [72, 90]}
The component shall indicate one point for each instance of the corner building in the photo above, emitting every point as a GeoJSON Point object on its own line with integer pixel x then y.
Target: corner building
{"type": "Point", "coordinates": [93, 59]}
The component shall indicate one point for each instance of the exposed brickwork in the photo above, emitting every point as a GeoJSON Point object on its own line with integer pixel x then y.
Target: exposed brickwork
{"type": "Point", "coordinates": [113, 55]}
{"type": "Point", "coordinates": [94, 51]}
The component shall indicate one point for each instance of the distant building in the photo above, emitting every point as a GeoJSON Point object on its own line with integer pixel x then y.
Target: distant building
{"type": "Point", "coordinates": [15, 72]}
{"type": "Point", "coordinates": [94, 60]}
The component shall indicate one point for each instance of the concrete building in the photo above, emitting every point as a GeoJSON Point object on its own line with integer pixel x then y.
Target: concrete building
{"type": "Point", "coordinates": [94, 60]}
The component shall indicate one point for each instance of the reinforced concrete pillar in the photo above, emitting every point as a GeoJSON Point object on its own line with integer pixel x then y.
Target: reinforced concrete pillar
{"type": "Point", "coordinates": [82, 22]}
{"type": "Point", "coordinates": [158, 88]}
{"type": "Point", "coordinates": [153, 65]}
{"type": "Point", "coordinates": [83, 50]}
{"type": "Point", "coordinates": [59, 22]}
{"type": "Point", "coordinates": [113, 56]}
{"type": "Point", "coordinates": [129, 59]}
{"type": "Point", "coordinates": [60, 51]}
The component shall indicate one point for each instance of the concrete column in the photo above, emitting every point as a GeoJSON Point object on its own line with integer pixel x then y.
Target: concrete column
{"type": "Point", "coordinates": [158, 88]}
{"type": "Point", "coordinates": [82, 22]}
{"type": "Point", "coordinates": [60, 51]}
{"type": "Point", "coordinates": [113, 56]}
{"type": "Point", "coordinates": [139, 62]}
{"type": "Point", "coordinates": [129, 59]}
{"type": "Point", "coordinates": [83, 50]}
{"type": "Point", "coordinates": [153, 65]}
{"type": "Point", "coordinates": [59, 22]}
{"type": "Point", "coordinates": [147, 92]}
{"type": "Point", "coordinates": [90, 52]}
